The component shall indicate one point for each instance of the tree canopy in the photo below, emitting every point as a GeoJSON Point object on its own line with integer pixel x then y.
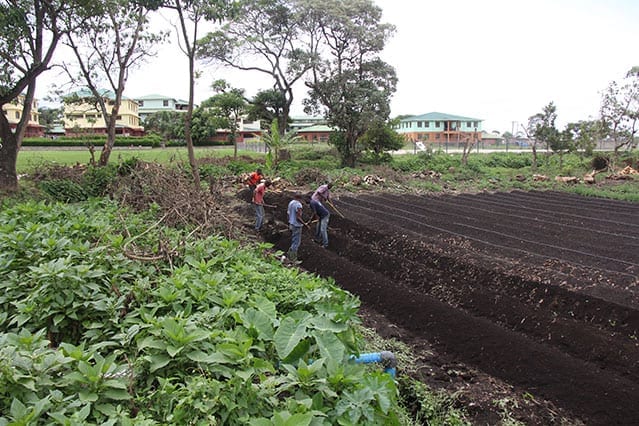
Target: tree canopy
{"type": "Point", "coordinates": [228, 105]}
{"type": "Point", "coordinates": [620, 110]}
{"type": "Point", "coordinates": [30, 31]}
{"type": "Point", "coordinates": [350, 84]}
{"type": "Point", "coordinates": [265, 36]}
{"type": "Point", "coordinates": [106, 48]}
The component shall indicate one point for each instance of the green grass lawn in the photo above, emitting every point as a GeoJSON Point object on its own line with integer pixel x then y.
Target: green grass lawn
{"type": "Point", "coordinates": [30, 159]}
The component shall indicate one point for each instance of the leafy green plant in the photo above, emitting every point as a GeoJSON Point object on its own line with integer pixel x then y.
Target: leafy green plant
{"type": "Point", "coordinates": [217, 335]}
{"type": "Point", "coordinates": [64, 190]}
{"type": "Point", "coordinates": [275, 142]}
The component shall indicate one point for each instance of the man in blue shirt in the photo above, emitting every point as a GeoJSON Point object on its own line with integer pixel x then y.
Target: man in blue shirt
{"type": "Point", "coordinates": [295, 223]}
{"type": "Point", "coordinates": [319, 197]}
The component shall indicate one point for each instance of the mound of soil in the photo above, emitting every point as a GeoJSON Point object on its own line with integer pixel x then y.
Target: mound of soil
{"type": "Point", "coordinates": [526, 303]}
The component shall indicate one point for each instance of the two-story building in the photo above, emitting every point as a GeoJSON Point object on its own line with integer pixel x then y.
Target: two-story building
{"type": "Point", "coordinates": [440, 128]}
{"type": "Point", "coordinates": [150, 104]}
{"type": "Point", "coordinates": [13, 111]}
{"type": "Point", "coordinates": [82, 116]}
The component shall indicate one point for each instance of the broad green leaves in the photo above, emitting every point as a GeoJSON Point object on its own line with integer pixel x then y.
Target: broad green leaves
{"type": "Point", "coordinates": [220, 336]}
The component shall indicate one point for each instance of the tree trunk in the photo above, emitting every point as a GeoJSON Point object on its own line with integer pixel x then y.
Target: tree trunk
{"type": "Point", "coordinates": [8, 156]}
{"type": "Point", "coordinates": [110, 141]}
{"type": "Point", "coordinates": [534, 153]}
{"type": "Point", "coordinates": [10, 142]}
{"type": "Point", "coordinates": [187, 123]}
{"type": "Point", "coordinates": [234, 141]}
{"type": "Point", "coordinates": [465, 152]}
{"type": "Point", "coordinates": [282, 122]}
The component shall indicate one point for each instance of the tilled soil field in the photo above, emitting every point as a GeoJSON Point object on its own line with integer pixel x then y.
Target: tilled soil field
{"type": "Point", "coordinates": [525, 303]}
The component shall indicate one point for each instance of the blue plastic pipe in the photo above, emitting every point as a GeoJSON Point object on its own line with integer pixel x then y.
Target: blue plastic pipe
{"type": "Point", "coordinates": [386, 358]}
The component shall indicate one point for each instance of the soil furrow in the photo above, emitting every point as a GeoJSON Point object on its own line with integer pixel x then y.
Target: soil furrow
{"type": "Point", "coordinates": [518, 305]}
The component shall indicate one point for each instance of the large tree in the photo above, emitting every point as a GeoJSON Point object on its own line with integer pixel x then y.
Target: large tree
{"type": "Point", "coordinates": [560, 142]}
{"type": "Point", "coordinates": [534, 121]}
{"type": "Point", "coordinates": [229, 105]}
{"type": "Point", "coordinates": [264, 37]}
{"type": "Point", "coordinates": [30, 31]}
{"type": "Point", "coordinates": [191, 14]}
{"type": "Point", "coordinates": [107, 48]}
{"type": "Point", "coordinates": [350, 84]}
{"type": "Point", "coordinates": [168, 124]}
{"type": "Point", "coordinates": [380, 138]}
{"type": "Point", "coordinates": [585, 134]}
{"type": "Point", "coordinates": [50, 117]}
{"type": "Point", "coordinates": [204, 124]}
{"type": "Point", "coordinates": [266, 106]}
{"type": "Point", "coordinates": [620, 110]}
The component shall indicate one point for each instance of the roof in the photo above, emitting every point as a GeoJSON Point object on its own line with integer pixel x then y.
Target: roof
{"type": "Point", "coordinates": [154, 96]}
{"type": "Point", "coordinates": [58, 129]}
{"type": "Point", "coordinates": [439, 116]}
{"type": "Point", "coordinates": [86, 93]}
{"type": "Point", "coordinates": [486, 135]}
{"type": "Point", "coordinates": [306, 118]}
{"type": "Point", "coordinates": [316, 129]}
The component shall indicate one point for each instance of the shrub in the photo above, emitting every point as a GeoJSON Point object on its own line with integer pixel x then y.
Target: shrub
{"type": "Point", "coordinates": [95, 140]}
{"type": "Point", "coordinates": [96, 180]}
{"type": "Point", "coordinates": [506, 160]}
{"type": "Point", "coordinates": [64, 190]}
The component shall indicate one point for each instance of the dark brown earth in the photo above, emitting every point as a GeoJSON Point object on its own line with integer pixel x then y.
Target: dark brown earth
{"type": "Point", "coordinates": [528, 298]}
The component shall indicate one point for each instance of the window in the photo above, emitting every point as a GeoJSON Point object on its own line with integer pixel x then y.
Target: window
{"type": "Point", "coordinates": [436, 123]}
{"type": "Point", "coordinates": [475, 124]}
{"type": "Point", "coordinates": [141, 103]}
{"type": "Point", "coordinates": [17, 114]}
{"type": "Point", "coordinates": [469, 124]}
{"type": "Point", "coordinates": [165, 102]}
{"type": "Point", "coordinates": [427, 124]}
{"type": "Point", "coordinates": [419, 124]}
{"type": "Point", "coordinates": [119, 117]}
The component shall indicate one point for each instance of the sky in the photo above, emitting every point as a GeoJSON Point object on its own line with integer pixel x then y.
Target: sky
{"type": "Point", "coordinates": [500, 61]}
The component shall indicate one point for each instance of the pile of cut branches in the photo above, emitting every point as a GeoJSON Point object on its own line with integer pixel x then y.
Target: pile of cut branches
{"type": "Point", "coordinates": [181, 204]}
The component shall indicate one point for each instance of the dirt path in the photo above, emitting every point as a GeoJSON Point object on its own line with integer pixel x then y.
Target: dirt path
{"type": "Point", "coordinates": [528, 296]}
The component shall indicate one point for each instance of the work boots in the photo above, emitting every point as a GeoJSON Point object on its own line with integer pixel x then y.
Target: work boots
{"type": "Point", "coordinates": [292, 256]}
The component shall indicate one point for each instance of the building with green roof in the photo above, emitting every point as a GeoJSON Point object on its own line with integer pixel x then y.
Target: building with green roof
{"type": "Point", "coordinates": [440, 128]}
{"type": "Point", "coordinates": [150, 104]}
{"type": "Point", "coordinates": [316, 133]}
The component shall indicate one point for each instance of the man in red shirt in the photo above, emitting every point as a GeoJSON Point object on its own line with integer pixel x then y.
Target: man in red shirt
{"type": "Point", "coordinates": [258, 200]}
{"type": "Point", "coordinates": [254, 179]}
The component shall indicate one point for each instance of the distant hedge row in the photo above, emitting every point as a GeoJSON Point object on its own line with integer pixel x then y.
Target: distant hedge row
{"type": "Point", "coordinates": [98, 141]}
{"type": "Point", "coordinates": [150, 140]}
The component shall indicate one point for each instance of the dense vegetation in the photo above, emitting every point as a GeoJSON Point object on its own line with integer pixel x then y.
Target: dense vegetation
{"type": "Point", "coordinates": [212, 334]}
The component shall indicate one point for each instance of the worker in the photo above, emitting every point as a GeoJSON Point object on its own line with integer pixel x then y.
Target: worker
{"type": "Point", "coordinates": [319, 197]}
{"type": "Point", "coordinates": [254, 179]}
{"type": "Point", "coordinates": [258, 200]}
{"type": "Point", "coordinates": [295, 223]}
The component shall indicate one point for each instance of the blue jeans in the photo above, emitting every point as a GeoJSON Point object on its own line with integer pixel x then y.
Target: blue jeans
{"type": "Point", "coordinates": [296, 237]}
{"type": "Point", "coordinates": [259, 216]}
{"type": "Point", "coordinates": [321, 230]}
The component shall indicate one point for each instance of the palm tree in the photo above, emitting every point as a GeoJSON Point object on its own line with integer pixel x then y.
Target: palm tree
{"type": "Point", "coordinates": [274, 142]}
